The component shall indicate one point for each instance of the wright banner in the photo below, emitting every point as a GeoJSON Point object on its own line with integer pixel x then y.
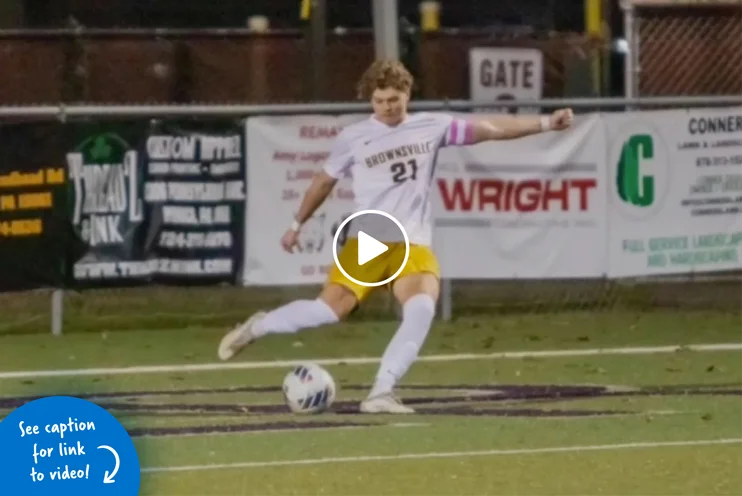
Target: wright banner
{"type": "Point", "coordinates": [528, 208]}
{"type": "Point", "coordinates": [34, 233]}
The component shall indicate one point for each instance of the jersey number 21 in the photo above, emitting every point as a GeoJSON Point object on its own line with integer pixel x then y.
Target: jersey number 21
{"type": "Point", "coordinates": [402, 171]}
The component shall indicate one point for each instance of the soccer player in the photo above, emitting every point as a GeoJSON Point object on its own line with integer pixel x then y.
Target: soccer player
{"type": "Point", "coordinates": [402, 188]}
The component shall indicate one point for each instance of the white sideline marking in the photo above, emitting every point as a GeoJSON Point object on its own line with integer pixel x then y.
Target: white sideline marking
{"type": "Point", "coordinates": [272, 364]}
{"type": "Point", "coordinates": [451, 454]}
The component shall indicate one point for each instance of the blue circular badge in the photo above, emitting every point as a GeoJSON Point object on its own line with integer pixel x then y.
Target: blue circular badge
{"type": "Point", "coordinates": [66, 447]}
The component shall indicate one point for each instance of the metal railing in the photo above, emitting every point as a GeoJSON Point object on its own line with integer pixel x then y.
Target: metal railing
{"type": "Point", "coordinates": [63, 112]}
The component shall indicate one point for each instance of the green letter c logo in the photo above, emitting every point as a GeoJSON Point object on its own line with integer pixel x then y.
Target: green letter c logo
{"type": "Point", "coordinates": [630, 189]}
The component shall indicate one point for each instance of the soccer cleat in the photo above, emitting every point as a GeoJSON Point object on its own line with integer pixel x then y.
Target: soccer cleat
{"type": "Point", "coordinates": [385, 403]}
{"type": "Point", "coordinates": [239, 337]}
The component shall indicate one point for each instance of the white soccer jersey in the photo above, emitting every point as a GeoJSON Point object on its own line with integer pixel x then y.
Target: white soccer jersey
{"type": "Point", "coordinates": [393, 168]}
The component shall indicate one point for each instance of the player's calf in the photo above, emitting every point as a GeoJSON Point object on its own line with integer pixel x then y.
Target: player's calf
{"type": "Point", "coordinates": [332, 305]}
{"type": "Point", "coordinates": [295, 316]}
{"type": "Point", "coordinates": [417, 317]}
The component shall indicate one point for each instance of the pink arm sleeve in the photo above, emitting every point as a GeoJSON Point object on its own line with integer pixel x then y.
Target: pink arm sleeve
{"type": "Point", "coordinates": [460, 132]}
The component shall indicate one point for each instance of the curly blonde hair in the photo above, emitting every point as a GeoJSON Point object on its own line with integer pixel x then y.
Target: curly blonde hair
{"type": "Point", "coordinates": [384, 74]}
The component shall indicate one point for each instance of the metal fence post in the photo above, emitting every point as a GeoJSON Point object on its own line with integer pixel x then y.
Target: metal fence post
{"type": "Point", "coordinates": [57, 311]}
{"type": "Point", "coordinates": [631, 58]}
{"type": "Point", "coordinates": [446, 297]}
{"type": "Point", "coordinates": [112, 112]}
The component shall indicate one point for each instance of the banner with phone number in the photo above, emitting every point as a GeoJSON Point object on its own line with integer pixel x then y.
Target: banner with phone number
{"type": "Point", "coordinates": [283, 155]}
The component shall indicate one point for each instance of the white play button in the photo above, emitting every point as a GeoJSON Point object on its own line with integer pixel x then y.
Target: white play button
{"type": "Point", "coordinates": [369, 248]}
{"type": "Point", "coordinates": [374, 248]}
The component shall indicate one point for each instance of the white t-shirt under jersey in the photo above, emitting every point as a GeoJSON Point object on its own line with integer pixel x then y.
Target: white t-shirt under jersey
{"type": "Point", "coordinates": [393, 168]}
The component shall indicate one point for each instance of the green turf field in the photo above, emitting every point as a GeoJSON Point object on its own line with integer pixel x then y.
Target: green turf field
{"type": "Point", "coordinates": [630, 421]}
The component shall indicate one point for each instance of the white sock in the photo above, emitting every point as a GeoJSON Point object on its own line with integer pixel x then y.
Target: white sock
{"type": "Point", "coordinates": [417, 317]}
{"type": "Point", "coordinates": [294, 316]}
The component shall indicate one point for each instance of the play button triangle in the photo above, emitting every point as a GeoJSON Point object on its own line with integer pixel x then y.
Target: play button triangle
{"type": "Point", "coordinates": [369, 248]}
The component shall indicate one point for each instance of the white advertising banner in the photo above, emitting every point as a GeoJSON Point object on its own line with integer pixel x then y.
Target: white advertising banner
{"type": "Point", "coordinates": [625, 194]}
{"type": "Point", "coordinates": [676, 191]}
{"type": "Point", "coordinates": [527, 208]}
{"type": "Point", "coordinates": [505, 74]}
{"type": "Point", "coordinates": [283, 153]}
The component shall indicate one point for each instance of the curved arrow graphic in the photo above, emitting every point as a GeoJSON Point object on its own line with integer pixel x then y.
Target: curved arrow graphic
{"type": "Point", "coordinates": [108, 478]}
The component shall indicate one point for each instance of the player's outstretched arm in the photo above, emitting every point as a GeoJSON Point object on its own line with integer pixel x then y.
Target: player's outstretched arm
{"type": "Point", "coordinates": [321, 186]}
{"type": "Point", "coordinates": [318, 191]}
{"type": "Point", "coordinates": [504, 127]}
{"type": "Point", "coordinates": [338, 163]}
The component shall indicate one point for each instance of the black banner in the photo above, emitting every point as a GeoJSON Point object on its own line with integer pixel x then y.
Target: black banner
{"type": "Point", "coordinates": [87, 205]}
{"type": "Point", "coordinates": [106, 208]}
{"type": "Point", "coordinates": [195, 194]}
{"type": "Point", "coordinates": [35, 238]}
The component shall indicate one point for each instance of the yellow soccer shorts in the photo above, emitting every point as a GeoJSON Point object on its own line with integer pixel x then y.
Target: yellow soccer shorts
{"type": "Point", "coordinates": [421, 260]}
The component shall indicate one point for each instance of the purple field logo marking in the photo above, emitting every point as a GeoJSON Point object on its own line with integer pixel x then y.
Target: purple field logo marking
{"type": "Point", "coordinates": [457, 399]}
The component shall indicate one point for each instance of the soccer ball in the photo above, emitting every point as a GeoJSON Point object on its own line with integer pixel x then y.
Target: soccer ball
{"type": "Point", "coordinates": [308, 389]}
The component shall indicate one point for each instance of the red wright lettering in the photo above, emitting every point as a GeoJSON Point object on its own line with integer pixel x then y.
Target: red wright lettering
{"type": "Point", "coordinates": [531, 195]}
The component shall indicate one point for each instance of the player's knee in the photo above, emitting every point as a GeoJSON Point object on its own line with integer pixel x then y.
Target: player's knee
{"type": "Point", "coordinates": [340, 299]}
{"type": "Point", "coordinates": [412, 285]}
{"type": "Point", "coordinates": [420, 306]}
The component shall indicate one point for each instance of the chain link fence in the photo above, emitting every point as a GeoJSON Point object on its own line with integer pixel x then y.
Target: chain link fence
{"type": "Point", "coordinates": [687, 48]}
{"type": "Point", "coordinates": [172, 308]}
{"type": "Point", "coordinates": [240, 66]}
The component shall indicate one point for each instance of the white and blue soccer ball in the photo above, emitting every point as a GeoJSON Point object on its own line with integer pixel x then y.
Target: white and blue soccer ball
{"type": "Point", "coordinates": [309, 388]}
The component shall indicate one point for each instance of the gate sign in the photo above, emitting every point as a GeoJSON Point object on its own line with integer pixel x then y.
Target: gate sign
{"type": "Point", "coordinates": [502, 74]}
